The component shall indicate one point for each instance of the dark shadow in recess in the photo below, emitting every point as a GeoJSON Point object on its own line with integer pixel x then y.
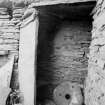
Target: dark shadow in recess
{"type": "Point", "coordinates": [50, 21]}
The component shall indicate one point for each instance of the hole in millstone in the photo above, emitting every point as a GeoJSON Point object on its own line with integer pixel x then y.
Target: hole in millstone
{"type": "Point", "coordinates": [60, 94]}
{"type": "Point", "coordinates": [67, 96]}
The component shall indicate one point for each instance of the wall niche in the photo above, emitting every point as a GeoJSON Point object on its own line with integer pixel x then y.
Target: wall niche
{"type": "Point", "coordinates": [64, 38]}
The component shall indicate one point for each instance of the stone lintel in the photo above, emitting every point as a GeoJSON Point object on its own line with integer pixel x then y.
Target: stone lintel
{"type": "Point", "coordinates": [35, 3]}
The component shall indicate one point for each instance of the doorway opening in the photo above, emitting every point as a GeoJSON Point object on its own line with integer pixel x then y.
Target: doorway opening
{"type": "Point", "coordinates": [63, 45]}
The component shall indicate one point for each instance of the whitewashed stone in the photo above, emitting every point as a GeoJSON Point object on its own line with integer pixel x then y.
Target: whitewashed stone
{"type": "Point", "coordinates": [27, 52]}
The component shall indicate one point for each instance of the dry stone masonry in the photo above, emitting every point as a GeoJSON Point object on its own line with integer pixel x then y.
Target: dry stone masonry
{"type": "Point", "coordinates": [68, 59]}
{"type": "Point", "coordinates": [9, 36]}
{"type": "Point", "coordinates": [17, 14]}
{"type": "Point", "coordinates": [65, 57]}
{"type": "Point", "coordinates": [9, 40]}
{"type": "Point", "coordinates": [69, 56]}
{"type": "Point", "coordinates": [4, 24]}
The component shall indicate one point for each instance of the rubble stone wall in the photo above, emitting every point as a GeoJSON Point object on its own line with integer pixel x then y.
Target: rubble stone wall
{"type": "Point", "coordinates": [4, 24]}
{"type": "Point", "coordinates": [9, 37]}
{"type": "Point", "coordinates": [95, 82]}
{"type": "Point", "coordinates": [61, 64]}
{"type": "Point", "coordinates": [65, 57]}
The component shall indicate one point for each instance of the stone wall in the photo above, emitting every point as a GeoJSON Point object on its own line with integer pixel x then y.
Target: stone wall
{"type": "Point", "coordinates": [10, 13]}
{"type": "Point", "coordinates": [95, 82]}
{"type": "Point", "coordinates": [65, 57]}
{"type": "Point", "coordinates": [9, 38]}
{"type": "Point", "coordinates": [59, 64]}
{"type": "Point", "coordinates": [17, 14]}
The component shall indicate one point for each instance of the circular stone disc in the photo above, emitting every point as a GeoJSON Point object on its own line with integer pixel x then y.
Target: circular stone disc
{"type": "Point", "coordinates": [68, 93]}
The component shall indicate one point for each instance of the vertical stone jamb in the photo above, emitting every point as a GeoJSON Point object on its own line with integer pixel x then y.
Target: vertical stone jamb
{"type": "Point", "coordinates": [95, 81]}
{"type": "Point", "coordinates": [27, 56]}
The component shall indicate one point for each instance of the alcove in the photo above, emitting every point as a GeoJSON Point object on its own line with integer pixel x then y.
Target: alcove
{"type": "Point", "coordinates": [64, 38]}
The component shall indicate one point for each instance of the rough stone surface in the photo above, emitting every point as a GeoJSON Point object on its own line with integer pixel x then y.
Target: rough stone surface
{"type": "Point", "coordinates": [14, 40]}
{"type": "Point", "coordinates": [59, 65]}
{"type": "Point", "coordinates": [9, 38]}
{"type": "Point", "coordinates": [22, 3]}
{"type": "Point", "coordinates": [68, 59]}
{"type": "Point", "coordinates": [4, 23]}
{"type": "Point", "coordinates": [95, 82]}
{"type": "Point", "coordinates": [64, 56]}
